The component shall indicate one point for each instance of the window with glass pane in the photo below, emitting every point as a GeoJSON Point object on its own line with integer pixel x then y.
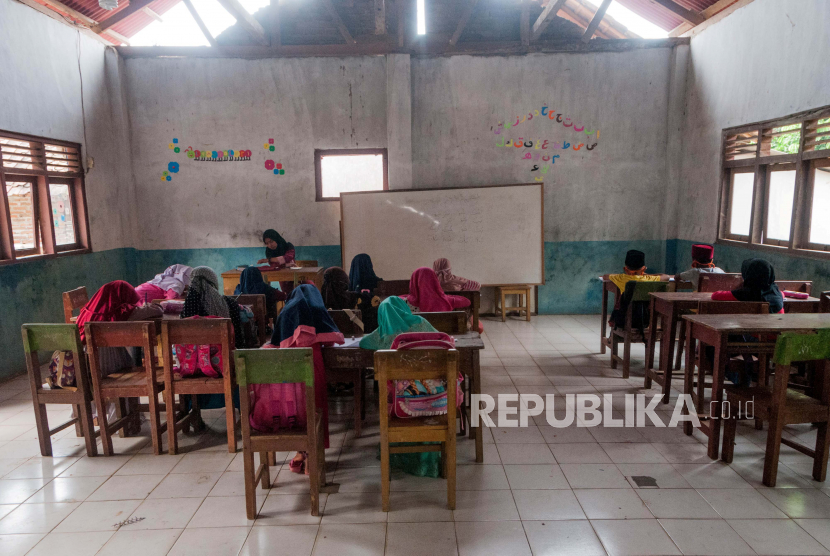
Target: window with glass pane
{"type": "Point", "coordinates": [348, 171]}
{"type": "Point", "coordinates": [780, 204]}
{"type": "Point", "coordinates": [819, 221]}
{"type": "Point", "coordinates": [62, 213]}
{"type": "Point", "coordinates": [22, 210]}
{"type": "Point", "coordinates": [740, 203]}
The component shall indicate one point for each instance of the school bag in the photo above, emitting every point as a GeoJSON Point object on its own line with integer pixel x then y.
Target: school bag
{"type": "Point", "coordinates": [421, 398]}
{"type": "Point", "coordinates": [62, 371]}
{"type": "Point", "coordinates": [192, 358]}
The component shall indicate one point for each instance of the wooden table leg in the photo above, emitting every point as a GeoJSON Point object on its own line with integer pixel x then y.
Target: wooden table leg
{"type": "Point", "coordinates": [688, 376]}
{"type": "Point", "coordinates": [476, 389]}
{"type": "Point", "coordinates": [718, 372]}
{"type": "Point", "coordinates": [667, 349]}
{"type": "Point", "coordinates": [776, 424]}
{"type": "Point", "coordinates": [652, 342]}
{"type": "Point", "coordinates": [604, 324]}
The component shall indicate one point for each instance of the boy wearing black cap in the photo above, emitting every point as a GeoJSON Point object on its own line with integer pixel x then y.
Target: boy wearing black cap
{"type": "Point", "coordinates": [635, 269]}
{"type": "Point", "coordinates": [702, 261]}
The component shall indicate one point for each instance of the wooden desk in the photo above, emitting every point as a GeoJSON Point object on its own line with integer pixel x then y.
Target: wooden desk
{"type": "Point", "coordinates": [670, 308]}
{"type": "Point", "coordinates": [468, 345]}
{"type": "Point", "coordinates": [607, 286]}
{"type": "Point", "coordinates": [714, 330]}
{"type": "Point", "coordinates": [230, 279]}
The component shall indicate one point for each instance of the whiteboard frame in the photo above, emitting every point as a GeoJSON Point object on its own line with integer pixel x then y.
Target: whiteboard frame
{"type": "Point", "coordinates": [415, 190]}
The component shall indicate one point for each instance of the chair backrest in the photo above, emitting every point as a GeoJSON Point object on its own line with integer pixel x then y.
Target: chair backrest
{"type": "Point", "coordinates": [639, 291]}
{"type": "Point", "coordinates": [733, 308]}
{"type": "Point", "coordinates": [793, 346]}
{"type": "Point", "coordinates": [417, 364]}
{"type": "Point", "coordinates": [73, 299]}
{"type": "Point", "coordinates": [274, 366]}
{"type": "Point", "coordinates": [120, 334]}
{"type": "Point", "coordinates": [449, 322]}
{"type": "Point", "coordinates": [803, 286]}
{"type": "Point", "coordinates": [50, 338]}
{"type": "Point", "coordinates": [710, 282]}
{"type": "Point", "coordinates": [257, 304]}
{"type": "Point", "coordinates": [345, 323]}
{"type": "Point", "coordinates": [475, 304]}
{"type": "Point", "coordinates": [824, 304]}
{"type": "Point", "coordinates": [388, 288]}
{"type": "Point", "coordinates": [306, 263]}
{"type": "Point", "coordinates": [199, 332]}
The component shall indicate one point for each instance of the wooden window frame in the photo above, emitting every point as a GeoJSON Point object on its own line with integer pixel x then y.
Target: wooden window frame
{"type": "Point", "coordinates": [803, 162]}
{"type": "Point", "coordinates": [318, 170]}
{"type": "Point", "coordinates": [41, 177]}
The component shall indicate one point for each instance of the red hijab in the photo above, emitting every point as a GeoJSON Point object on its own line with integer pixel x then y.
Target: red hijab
{"type": "Point", "coordinates": [425, 292]}
{"type": "Point", "coordinates": [113, 302]}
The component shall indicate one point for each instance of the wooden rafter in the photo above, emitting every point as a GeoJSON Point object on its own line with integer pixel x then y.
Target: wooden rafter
{"type": "Point", "coordinates": [721, 8]}
{"type": "Point", "coordinates": [524, 23]}
{"type": "Point", "coordinates": [544, 19]}
{"type": "Point", "coordinates": [380, 17]}
{"type": "Point", "coordinates": [592, 27]}
{"type": "Point", "coordinates": [151, 13]}
{"type": "Point", "coordinates": [117, 36]}
{"type": "Point", "coordinates": [400, 6]}
{"type": "Point", "coordinates": [246, 20]}
{"type": "Point", "coordinates": [692, 17]}
{"type": "Point", "coordinates": [339, 22]}
{"type": "Point", "coordinates": [133, 7]}
{"type": "Point", "coordinates": [192, 9]}
{"type": "Point", "coordinates": [63, 9]}
{"type": "Point", "coordinates": [463, 20]}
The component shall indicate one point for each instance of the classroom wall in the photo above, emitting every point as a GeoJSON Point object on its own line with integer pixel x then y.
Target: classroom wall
{"type": "Point", "coordinates": [766, 60]}
{"type": "Point", "coordinates": [42, 66]}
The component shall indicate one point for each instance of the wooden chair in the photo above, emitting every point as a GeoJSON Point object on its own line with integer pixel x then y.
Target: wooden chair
{"type": "Point", "coordinates": [133, 382]}
{"type": "Point", "coordinates": [782, 406]}
{"type": "Point", "coordinates": [802, 286]}
{"type": "Point", "coordinates": [824, 304]}
{"type": "Point", "coordinates": [73, 299]}
{"type": "Point", "coordinates": [198, 332]}
{"type": "Point", "coordinates": [420, 365]}
{"type": "Point", "coordinates": [275, 366]}
{"type": "Point", "coordinates": [50, 338]}
{"type": "Point", "coordinates": [475, 304]}
{"type": "Point", "coordinates": [710, 282]}
{"type": "Point", "coordinates": [305, 264]}
{"type": "Point", "coordinates": [639, 293]}
{"type": "Point", "coordinates": [349, 328]}
{"type": "Point", "coordinates": [388, 288]}
{"type": "Point", "coordinates": [257, 304]}
{"type": "Point", "coordinates": [449, 322]}
{"type": "Point", "coordinates": [523, 293]}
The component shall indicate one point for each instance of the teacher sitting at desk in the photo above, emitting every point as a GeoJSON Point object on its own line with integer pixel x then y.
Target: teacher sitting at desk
{"type": "Point", "coordinates": [278, 253]}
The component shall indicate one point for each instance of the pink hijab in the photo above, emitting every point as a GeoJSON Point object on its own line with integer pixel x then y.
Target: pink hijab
{"type": "Point", "coordinates": [426, 294]}
{"type": "Point", "coordinates": [449, 281]}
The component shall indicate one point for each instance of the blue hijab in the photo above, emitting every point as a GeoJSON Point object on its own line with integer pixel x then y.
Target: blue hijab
{"type": "Point", "coordinates": [362, 274]}
{"type": "Point", "coordinates": [251, 283]}
{"type": "Point", "coordinates": [304, 307]}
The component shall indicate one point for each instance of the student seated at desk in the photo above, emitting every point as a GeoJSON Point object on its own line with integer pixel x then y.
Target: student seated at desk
{"type": "Point", "coordinates": [426, 295]}
{"type": "Point", "coordinates": [449, 281]}
{"type": "Point", "coordinates": [303, 322]}
{"type": "Point", "coordinates": [204, 300]}
{"type": "Point", "coordinates": [702, 262]}
{"type": "Point", "coordinates": [362, 274]}
{"type": "Point", "coordinates": [759, 285]}
{"type": "Point", "coordinates": [170, 284]}
{"type": "Point", "coordinates": [336, 295]}
{"type": "Point", "coordinates": [278, 254]}
{"type": "Point", "coordinates": [634, 270]}
{"type": "Point", "coordinates": [252, 283]}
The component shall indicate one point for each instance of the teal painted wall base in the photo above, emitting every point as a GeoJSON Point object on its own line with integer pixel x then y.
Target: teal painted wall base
{"type": "Point", "coordinates": [31, 291]}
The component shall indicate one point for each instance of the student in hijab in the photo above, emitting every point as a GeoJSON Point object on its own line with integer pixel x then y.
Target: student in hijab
{"type": "Point", "coordinates": [204, 300]}
{"type": "Point", "coordinates": [335, 290]}
{"type": "Point", "coordinates": [303, 322]}
{"type": "Point", "coordinates": [170, 284]}
{"type": "Point", "coordinates": [278, 253]}
{"type": "Point", "coordinates": [451, 282]}
{"type": "Point", "coordinates": [426, 295]}
{"type": "Point", "coordinates": [394, 317]}
{"type": "Point", "coordinates": [252, 283]}
{"type": "Point", "coordinates": [362, 274]}
{"type": "Point", "coordinates": [759, 285]}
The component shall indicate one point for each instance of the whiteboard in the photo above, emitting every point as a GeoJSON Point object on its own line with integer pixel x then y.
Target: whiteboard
{"type": "Point", "coordinates": [492, 234]}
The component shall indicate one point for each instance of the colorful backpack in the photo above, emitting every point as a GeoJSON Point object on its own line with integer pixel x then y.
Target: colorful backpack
{"type": "Point", "coordinates": [421, 398]}
{"type": "Point", "coordinates": [62, 371]}
{"type": "Point", "coordinates": [193, 358]}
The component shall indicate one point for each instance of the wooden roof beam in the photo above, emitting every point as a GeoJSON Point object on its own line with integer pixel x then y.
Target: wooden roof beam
{"type": "Point", "coordinates": [151, 13]}
{"type": "Point", "coordinates": [133, 7]}
{"type": "Point", "coordinates": [338, 21]}
{"type": "Point", "coordinates": [192, 9]}
{"type": "Point", "coordinates": [692, 17]}
{"type": "Point", "coordinates": [463, 20]}
{"type": "Point", "coordinates": [524, 23]}
{"type": "Point", "coordinates": [544, 19]}
{"type": "Point", "coordinates": [592, 27]}
{"type": "Point", "coordinates": [246, 20]}
{"type": "Point", "coordinates": [380, 17]}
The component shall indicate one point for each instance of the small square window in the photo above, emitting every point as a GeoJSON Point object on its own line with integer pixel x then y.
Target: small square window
{"type": "Point", "coordinates": [21, 197]}
{"type": "Point", "coordinates": [740, 203]}
{"type": "Point", "coordinates": [346, 171]}
{"type": "Point", "coordinates": [63, 215]}
{"type": "Point", "coordinates": [781, 190]}
{"type": "Point", "coordinates": [819, 223]}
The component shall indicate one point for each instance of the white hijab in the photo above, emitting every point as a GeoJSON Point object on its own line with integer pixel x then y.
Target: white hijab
{"type": "Point", "coordinates": [175, 278]}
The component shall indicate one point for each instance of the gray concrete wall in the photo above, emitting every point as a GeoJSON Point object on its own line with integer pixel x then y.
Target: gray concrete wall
{"type": "Point", "coordinates": [766, 60]}
{"type": "Point", "coordinates": [302, 103]}
{"type": "Point", "coordinates": [43, 64]}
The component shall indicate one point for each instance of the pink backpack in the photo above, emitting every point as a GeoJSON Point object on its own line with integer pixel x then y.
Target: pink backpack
{"type": "Point", "coordinates": [194, 358]}
{"type": "Point", "coordinates": [421, 398]}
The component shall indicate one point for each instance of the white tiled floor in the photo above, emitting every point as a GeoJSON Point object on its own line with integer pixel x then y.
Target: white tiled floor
{"type": "Point", "coordinates": [541, 490]}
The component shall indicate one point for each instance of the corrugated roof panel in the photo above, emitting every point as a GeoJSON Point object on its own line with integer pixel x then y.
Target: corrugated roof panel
{"type": "Point", "coordinates": [655, 13]}
{"type": "Point", "coordinates": [136, 22]}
